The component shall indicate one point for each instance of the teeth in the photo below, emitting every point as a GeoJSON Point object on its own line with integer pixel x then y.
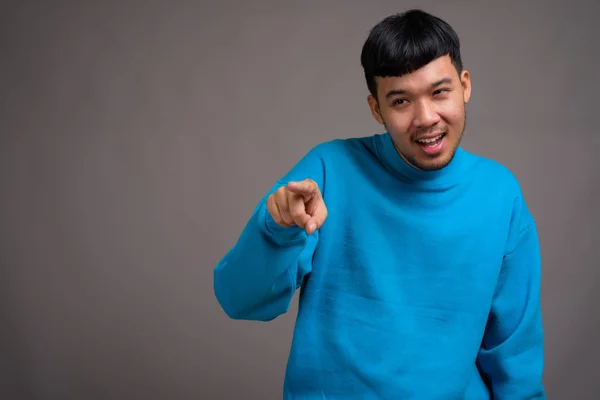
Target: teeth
{"type": "Point", "coordinates": [430, 140]}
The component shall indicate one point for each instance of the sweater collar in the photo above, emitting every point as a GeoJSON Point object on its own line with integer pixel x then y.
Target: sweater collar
{"type": "Point", "coordinates": [406, 172]}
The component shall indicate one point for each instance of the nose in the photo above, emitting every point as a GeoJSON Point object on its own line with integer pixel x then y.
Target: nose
{"type": "Point", "coordinates": [425, 115]}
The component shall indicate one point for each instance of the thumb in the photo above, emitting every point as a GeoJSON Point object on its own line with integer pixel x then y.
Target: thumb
{"type": "Point", "coordinates": [317, 218]}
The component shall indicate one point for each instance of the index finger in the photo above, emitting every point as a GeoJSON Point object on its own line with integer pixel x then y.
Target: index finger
{"type": "Point", "coordinates": [307, 187]}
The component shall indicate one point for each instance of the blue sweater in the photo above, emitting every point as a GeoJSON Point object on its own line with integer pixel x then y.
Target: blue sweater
{"type": "Point", "coordinates": [420, 285]}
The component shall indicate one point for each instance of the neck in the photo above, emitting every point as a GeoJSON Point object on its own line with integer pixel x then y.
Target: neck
{"type": "Point", "coordinates": [406, 159]}
{"type": "Point", "coordinates": [397, 163]}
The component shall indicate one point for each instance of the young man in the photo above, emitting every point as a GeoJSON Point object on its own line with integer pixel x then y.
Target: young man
{"type": "Point", "coordinates": [418, 262]}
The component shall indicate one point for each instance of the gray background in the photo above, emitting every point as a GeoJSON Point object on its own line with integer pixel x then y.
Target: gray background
{"type": "Point", "coordinates": [136, 139]}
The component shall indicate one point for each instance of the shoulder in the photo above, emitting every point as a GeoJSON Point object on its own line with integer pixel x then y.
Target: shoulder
{"type": "Point", "coordinates": [506, 191]}
{"type": "Point", "coordinates": [495, 175]}
{"type": "Point", "coordinates": [321, 160]}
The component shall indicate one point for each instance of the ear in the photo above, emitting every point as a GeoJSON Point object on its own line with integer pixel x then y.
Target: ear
{"type": "Point", "coordinates": [465, 80]}
{"type": "Point", "coordinates": [375, 111]}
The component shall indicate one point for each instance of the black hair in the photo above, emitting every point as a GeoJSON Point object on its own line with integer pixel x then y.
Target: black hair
{"type": "Point", "coordinates": [403, 43]}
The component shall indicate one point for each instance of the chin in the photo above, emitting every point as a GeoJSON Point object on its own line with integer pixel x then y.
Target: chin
{"type": "Point", "coordinates": [431, 158]}
{"type": "Point", "coordinates": [433, 163]}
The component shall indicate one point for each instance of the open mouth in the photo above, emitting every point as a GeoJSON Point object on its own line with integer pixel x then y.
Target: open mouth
{"type": "Point", "coordinates": [432, 146]}
{"type": "Point", "coordinates": [431, 142]}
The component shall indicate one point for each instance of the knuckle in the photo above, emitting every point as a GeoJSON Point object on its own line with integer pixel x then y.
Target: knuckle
{"type": "Point", "coordinates": [282, 202]}
{"type": "Point", "coordinates": [284, 207]}
{"type": "Point", "coordinates": [280, 193]}
{"type": "Point", "coordinates": [296, 212]}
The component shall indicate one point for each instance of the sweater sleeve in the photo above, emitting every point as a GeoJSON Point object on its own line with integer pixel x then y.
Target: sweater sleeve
{"type": "Point", "coordinates": [258, 276]}
{"type": "Point", "coordinates": [512, 354]}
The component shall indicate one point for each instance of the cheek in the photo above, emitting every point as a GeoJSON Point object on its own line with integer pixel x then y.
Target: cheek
{"type": "Point", "coordinates": [453, 114]}
{"type": "Point", "coordinates": [398, 123]}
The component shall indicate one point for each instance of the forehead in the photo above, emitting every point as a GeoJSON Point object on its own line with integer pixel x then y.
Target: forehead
{"type": "Point", "coordinates": [421, 79]}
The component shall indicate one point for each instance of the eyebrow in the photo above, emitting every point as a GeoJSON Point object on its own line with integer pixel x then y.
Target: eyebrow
{"type": "Point", "coordinates": [396, 92]}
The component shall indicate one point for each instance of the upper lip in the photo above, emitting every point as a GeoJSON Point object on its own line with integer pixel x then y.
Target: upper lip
{"type": "Point", "coordinates": [430, 136]}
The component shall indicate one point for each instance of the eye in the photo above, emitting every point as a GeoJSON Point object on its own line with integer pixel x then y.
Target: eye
{"type": "Point", "coordinates": [399, 102]}
{"type": "Point", "coordinates": [440, 91]}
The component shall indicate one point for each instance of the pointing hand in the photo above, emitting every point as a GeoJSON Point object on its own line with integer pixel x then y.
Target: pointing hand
{"type": "Point", "coordinates": [298, 203]}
